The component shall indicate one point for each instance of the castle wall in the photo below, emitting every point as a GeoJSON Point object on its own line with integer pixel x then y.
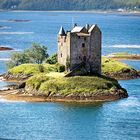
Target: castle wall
{"type": "Point", "coordinates": [95, 43]}
{"type": "Point", "coordinates": [79, 52]}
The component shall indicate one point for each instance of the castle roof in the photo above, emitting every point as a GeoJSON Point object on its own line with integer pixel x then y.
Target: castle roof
{"type": "Point", "coordinates": [82, 34]}
{"type": "Point", "coordinates": [61, 31]}
{"type": "Point", "coordinates": [77, 29]}
{"type": "Point", "coordinates": [91, 28]}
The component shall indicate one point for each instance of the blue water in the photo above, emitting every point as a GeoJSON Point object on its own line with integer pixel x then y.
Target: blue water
{"type": "Point", "coordinates": [54, 121]}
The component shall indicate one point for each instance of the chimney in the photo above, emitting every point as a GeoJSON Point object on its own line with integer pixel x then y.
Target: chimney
{"type": "Point", "coordinates": [87, 26]}
{"type": "Point", "coordinates": [75, 24]}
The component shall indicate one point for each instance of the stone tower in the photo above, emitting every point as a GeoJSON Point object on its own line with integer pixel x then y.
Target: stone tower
{"type": "Point", "coordinates": [81, 45]}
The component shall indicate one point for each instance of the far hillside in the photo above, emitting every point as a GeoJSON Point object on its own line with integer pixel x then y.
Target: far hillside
{"type": "Point", "coordinates": [69, 4]}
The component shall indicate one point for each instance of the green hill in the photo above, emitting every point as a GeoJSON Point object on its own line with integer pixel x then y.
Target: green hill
{"type": "Point", "coordinates": [69, 4]}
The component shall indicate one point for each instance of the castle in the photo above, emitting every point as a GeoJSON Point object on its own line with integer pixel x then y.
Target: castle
{"type": "Point", "coordinates": [81, 45]}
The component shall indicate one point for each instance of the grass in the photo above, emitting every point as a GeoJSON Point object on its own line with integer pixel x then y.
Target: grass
{"type": "Point", "coordinates": [78, 84]}
{"type": "Point", "coordinates": [34, 68]}
{"type": "Point", "coordinates": [47, 80]}
{"type": "Point", "coordinates": [110, 65]}
{"type": "Point", "coordinates": [120, 54]}
{"type": "Point", "coordinates": [26, 69]}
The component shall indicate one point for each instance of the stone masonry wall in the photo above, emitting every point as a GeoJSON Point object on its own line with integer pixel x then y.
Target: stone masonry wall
{"type": "Point", "coordinates": [95, 41]}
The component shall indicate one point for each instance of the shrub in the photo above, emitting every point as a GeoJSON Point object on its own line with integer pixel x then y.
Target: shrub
{"type": "Point", "coordinates": [60, 67]}
{"type": "Point", "coordinates": [52, 59]}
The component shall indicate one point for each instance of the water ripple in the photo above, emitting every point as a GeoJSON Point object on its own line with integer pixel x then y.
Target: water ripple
{"type": "Point", "coordinates": [15, 33]}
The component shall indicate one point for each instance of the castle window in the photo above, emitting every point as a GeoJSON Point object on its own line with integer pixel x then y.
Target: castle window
{"type": "Point", "coordinates": [84, 58]}
{"type": "Point", "coordinates": [83, 45]}
{"type": "Point", "coordinates": [61, 55]}
{"type": "Point", "coordinates": [85, 38]}
{"type": "Point", "coordinates": [79, 37]}
{"type": "Point", "coordinates": [65, 39]}
{"type": "Point", "coordinates": [79, 57]}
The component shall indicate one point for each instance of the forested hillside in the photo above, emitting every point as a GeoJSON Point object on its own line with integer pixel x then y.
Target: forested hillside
{"type": "Point", "coordinates": [69, 4]}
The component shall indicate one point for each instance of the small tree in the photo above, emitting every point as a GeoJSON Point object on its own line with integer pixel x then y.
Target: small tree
{"type": "Point", "coordinates": [36, 54]}
{"type": "Point", "coordinates": [17, 58]}
{"type": "Point", "coordinates": [52, 59]}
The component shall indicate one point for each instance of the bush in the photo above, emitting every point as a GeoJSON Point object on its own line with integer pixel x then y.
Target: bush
{"type": "Point", "coordinates": [41, 68]}
{"type": "Point", "coordinates": [60, 68]}
{"type": "Point", "coordinates": [52, 59]}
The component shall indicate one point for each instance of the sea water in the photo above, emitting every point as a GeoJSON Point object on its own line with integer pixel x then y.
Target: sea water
{"type": "Point", "coordinates": [115, 120]}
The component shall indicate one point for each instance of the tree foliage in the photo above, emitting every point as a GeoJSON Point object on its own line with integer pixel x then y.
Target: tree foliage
{"type": "Point", "coordinates": [68, 4]}
{"type": "Point", "coordinates": [35, 54]}
{"type": "Point", "coordinates": [52, 59]}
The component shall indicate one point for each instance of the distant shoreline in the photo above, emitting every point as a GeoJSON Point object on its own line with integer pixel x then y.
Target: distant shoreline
{"type": "Point", "coordinates": [124, 56]}
{"type": "Point", "coordinates": [77, 11]}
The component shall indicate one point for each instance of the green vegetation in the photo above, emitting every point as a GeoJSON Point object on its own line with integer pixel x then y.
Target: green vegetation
{"type": "Point", "coordinates": [68, 4]}
{"type": "Point", "coordinates": [52, 59]}
{"type": "Point", "coordinates": [124, 55]}
{"type": "Point", "coordinates": [47, 79]}
{"type": "Point", "coordinates": [35, 54]}
{"type": "Point", "coordinates": [78, 84]}
{"type": "Point", "coordinates": [37, 68]}
{"type": "Point", "coordinates": [110, 65]}
{"type": "Point", "coordinates": [27, 69]}
{"type": "Point", "coordinates": [120, 53]}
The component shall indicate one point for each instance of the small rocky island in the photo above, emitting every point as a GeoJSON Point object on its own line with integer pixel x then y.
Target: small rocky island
{"type": "Point", "coordinates": [46, 82]}
{"type": "Point", "coordinates": [118, 70]}
{"type": "Point", "coordinates": [124, 56]}
{"type": "Point", "coordinates": [18, 20]}
{"type": "Point", "coordinates": [79, 73]}
{"type": "Point", "coordinates": [54, 86]}
{"type": "Point", "coordinates": [4, 48]}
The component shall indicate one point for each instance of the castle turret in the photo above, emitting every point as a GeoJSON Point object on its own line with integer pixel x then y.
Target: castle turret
{"type": "Point", "coordinates": [62, 31]}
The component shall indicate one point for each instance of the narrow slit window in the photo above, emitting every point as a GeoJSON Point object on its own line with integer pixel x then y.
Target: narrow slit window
{"type": "Point", "coordinates": [83, 45]}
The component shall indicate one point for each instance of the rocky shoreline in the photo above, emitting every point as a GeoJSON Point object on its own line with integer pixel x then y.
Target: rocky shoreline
{"type": "Point", "coordinates": [21, 95]}
{"type": "Point", "coordinates": [23, 92]}
{"type": "Point", "coordinates": [124, 74]}
{"type": "Point", "coordinates": [8, 76]}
